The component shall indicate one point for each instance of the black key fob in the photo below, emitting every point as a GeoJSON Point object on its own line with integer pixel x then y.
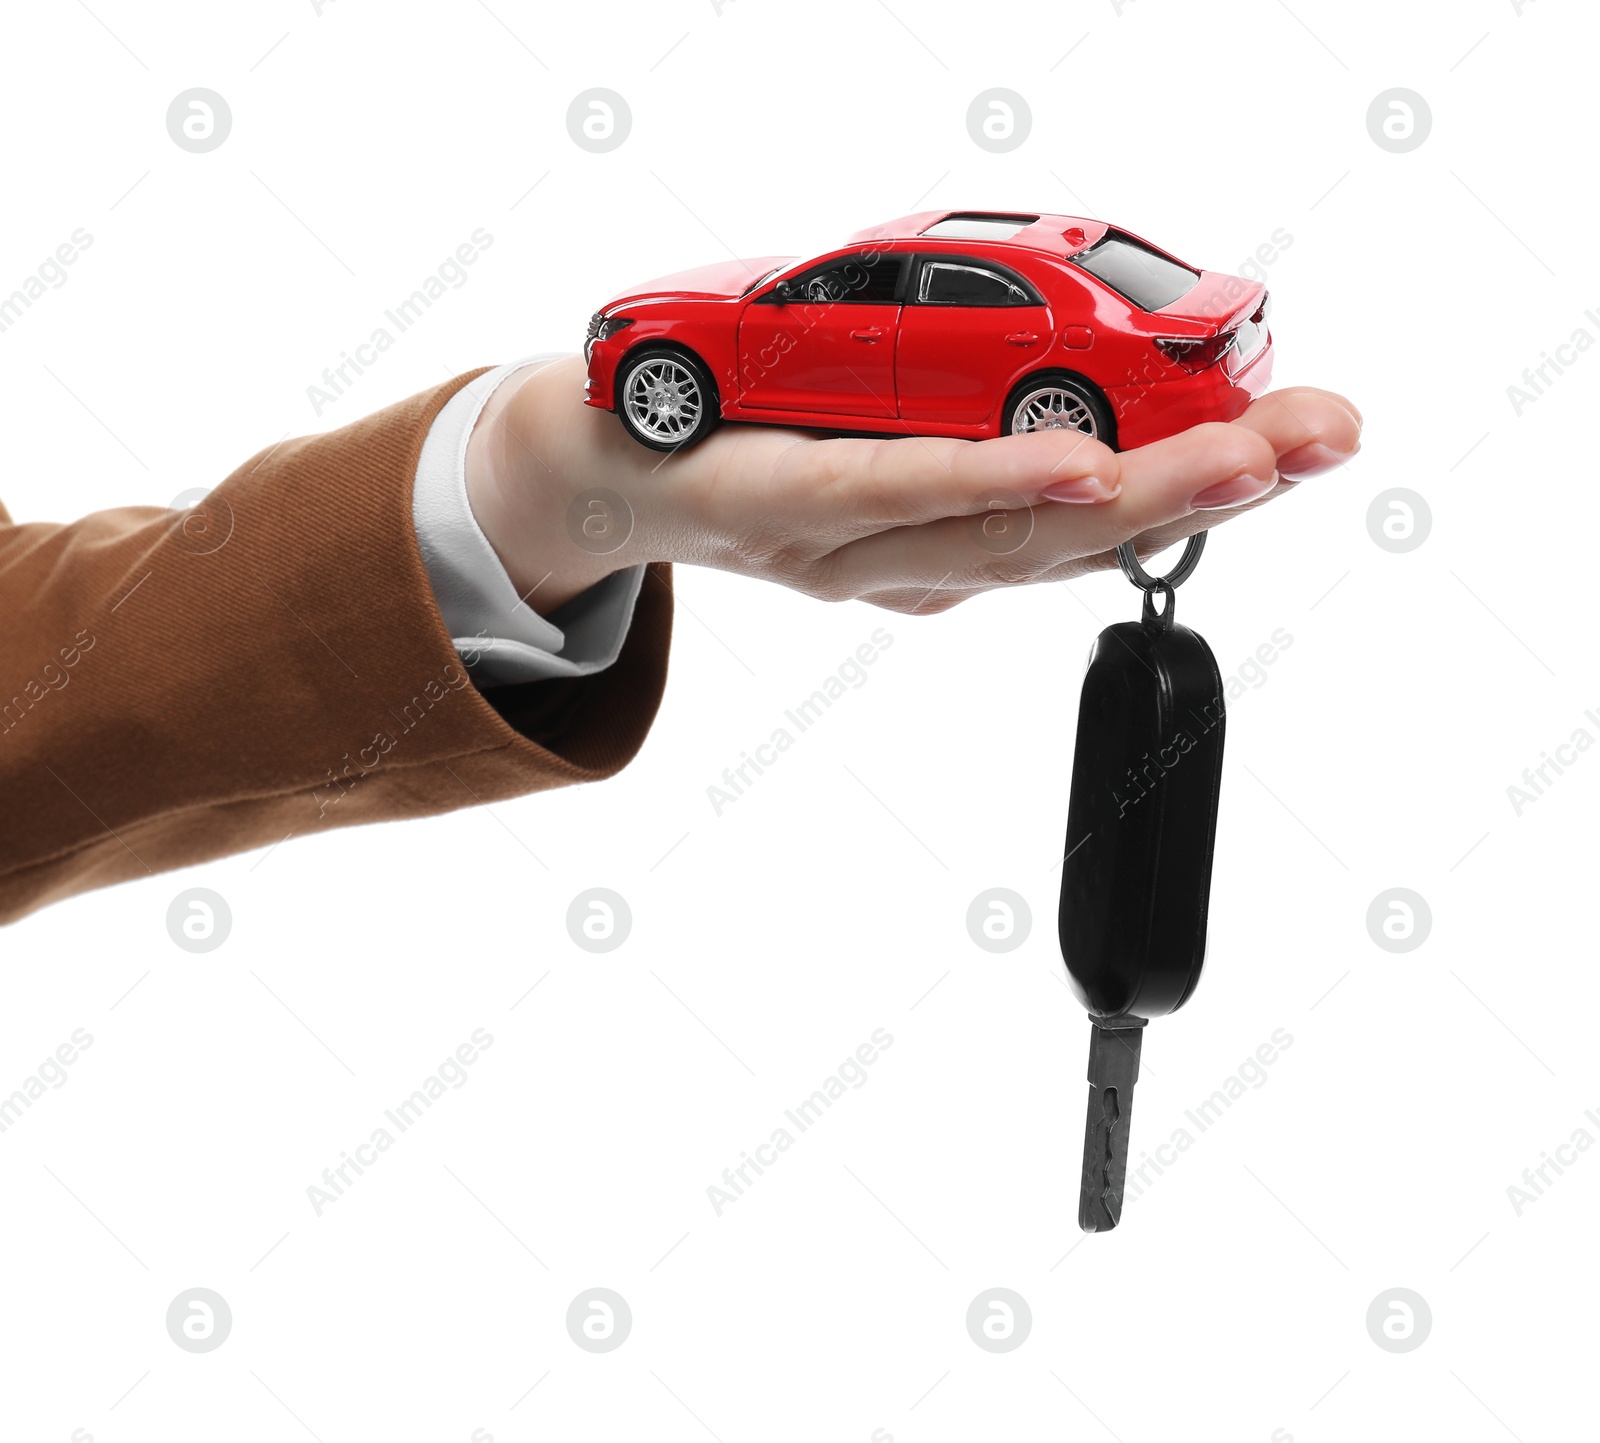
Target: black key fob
{"type": "Point", "coordinates": [1136, 879]}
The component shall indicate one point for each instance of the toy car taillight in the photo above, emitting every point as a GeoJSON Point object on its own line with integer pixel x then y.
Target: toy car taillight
{"type": "Point", "coordinates": [603, 328]}
{"type": "Point", "coordinates": [1263, 310]}
{"type": "Point", "coordinates": [1195, 354]}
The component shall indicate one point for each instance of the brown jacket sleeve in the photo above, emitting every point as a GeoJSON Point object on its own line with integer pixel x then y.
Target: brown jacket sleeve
{"type": "Point", "coordinates": [179, 686]}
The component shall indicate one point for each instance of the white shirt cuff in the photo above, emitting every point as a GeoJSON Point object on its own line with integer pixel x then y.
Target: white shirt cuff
{"type": "Point", "coordinates": [501, 639]}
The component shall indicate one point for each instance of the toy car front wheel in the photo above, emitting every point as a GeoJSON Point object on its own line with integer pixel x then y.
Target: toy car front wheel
{"type": "Point", "coordinates": [665, 399]}
{"type": "Point", "coordinates": [1059, 402]}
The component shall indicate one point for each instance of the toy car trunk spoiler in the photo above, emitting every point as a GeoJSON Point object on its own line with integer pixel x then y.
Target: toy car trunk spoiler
{"type": "Point", "coordinates": [1217, 301]}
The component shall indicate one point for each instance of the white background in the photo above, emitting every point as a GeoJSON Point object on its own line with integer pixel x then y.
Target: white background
{"type": "Point", "coordinates": [830, 1301]}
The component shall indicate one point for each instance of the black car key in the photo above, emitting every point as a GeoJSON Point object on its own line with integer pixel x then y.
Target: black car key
{"type": "Point", "coordinates": [1136, 874]}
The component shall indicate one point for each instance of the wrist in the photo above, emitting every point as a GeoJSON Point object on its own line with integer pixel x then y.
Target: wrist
{"type": "Point", "coordinates": [557, 514]}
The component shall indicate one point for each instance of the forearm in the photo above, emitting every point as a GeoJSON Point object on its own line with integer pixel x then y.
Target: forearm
{"type": "Point", "coordinates": [266, 665]}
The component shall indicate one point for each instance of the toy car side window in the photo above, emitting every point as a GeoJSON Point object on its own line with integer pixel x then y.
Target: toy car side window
{"type": "Point", "coordinates": [966, 283]}
{"type": "Point", "coordinates": [870, 278]}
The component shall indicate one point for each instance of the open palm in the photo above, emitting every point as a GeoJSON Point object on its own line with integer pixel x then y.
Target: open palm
{"type": "Point", "coordinates": [915, 524]}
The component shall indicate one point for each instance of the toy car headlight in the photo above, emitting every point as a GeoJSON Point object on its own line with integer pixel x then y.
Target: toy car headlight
{"type": "Point", "coordinates": [603, 328]}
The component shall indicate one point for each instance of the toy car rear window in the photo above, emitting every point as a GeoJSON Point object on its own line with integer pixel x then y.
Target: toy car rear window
{"type": "Point", "coordinates": [978, 227]}
{"type": "Point", "coordinates": [1135, 272]}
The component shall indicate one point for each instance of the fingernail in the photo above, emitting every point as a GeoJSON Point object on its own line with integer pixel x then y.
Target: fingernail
{"type": "Point", "coordinates": [1081, 490]}
{"type": "Point", "coordinates": [1312, 459]}
{"type": "Point", "coordinates": [1234, 492]}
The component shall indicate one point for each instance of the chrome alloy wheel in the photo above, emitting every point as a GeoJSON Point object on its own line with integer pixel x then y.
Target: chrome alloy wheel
{"type": "Point", "coordinates": [1052, 408]}
{"type": "Point", "coordinates": [664, 400]}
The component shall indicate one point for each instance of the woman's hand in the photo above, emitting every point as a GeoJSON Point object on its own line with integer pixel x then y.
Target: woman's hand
{"type": "Point", "coordinates": [915, 524]}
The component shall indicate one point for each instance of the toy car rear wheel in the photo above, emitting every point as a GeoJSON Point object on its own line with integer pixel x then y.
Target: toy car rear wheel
{"type": "Point", "coordinates": [666, 399]}
{"type": "Point", "coordinates": [1055, 400]}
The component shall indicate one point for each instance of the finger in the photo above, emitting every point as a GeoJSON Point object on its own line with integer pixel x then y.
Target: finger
{"type": "Point", "coordinates": [849, 487]}
{"type": "Point", "coordinates": [922, 601]}
{"type": "Point", "coordinates": [1297, 398]}
{"type": "Point", "coordinates": [1311, 430]}
{"type": "Point", "coordinates": [1160, 483]}
{"type": "Point", "coordinates": [852, 488]}
{"type": "Point", "coordinates": [1206, 468]}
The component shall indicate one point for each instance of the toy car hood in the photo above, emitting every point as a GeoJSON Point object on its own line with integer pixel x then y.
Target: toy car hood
{"type": "Point", "coordinates": [724, 281]}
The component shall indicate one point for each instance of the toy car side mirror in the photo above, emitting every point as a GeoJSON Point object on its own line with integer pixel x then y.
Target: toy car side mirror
{"type": "Point", "coordinates": [783, 292]}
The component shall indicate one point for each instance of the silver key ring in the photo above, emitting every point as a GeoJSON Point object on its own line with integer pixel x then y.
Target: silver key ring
{"type": "Point", "coordinates": [1179, 574]}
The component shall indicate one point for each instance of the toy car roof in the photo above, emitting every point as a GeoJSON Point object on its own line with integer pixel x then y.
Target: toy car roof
{"type": "Point", "coordinates": [1055, 235]}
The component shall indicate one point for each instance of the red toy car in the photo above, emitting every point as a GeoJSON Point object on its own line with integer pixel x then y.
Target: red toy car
{"type": "Point", "coordinates": [944, 323]}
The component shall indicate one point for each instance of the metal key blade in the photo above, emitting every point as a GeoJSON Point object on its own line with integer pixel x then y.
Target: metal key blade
{"type": "Point", "coordinates": [1113, 1070]}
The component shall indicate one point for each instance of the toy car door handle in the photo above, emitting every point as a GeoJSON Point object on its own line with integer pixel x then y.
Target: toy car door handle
{"type": "Point", "coordinates": [872, 333]}
{"type": "Point", "coordinates": [1023, 338]}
